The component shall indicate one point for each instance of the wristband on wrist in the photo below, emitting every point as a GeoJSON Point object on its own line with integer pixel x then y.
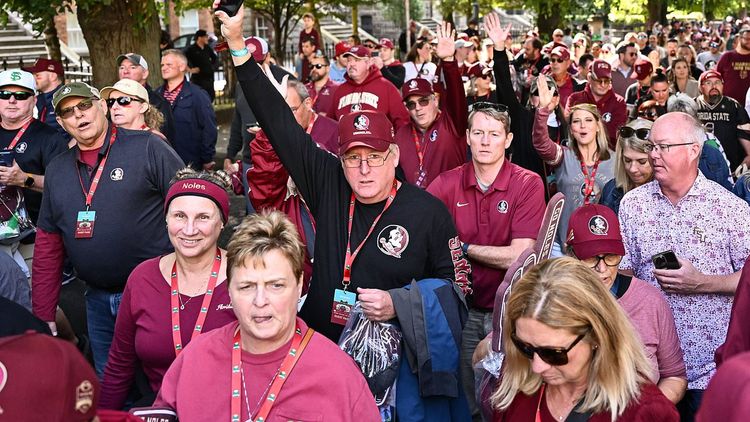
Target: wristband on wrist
{"type": "Point", "coordinates": [465, 248]}
{"type": "Point", "coordinates": [239, 53]}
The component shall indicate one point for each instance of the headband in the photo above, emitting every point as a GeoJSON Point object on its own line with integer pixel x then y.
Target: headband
{"type": "Point", "coordinates": [200, 187]}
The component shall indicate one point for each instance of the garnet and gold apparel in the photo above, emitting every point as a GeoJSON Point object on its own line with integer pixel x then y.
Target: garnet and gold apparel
{"type": "Point", "coordinates": [652, 405]}
{"type": "Point", "coordinates": [143, 331]}
{"type": "Point", "coordinates": [325, 384]}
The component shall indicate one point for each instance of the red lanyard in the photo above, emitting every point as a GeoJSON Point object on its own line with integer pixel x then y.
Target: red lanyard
{"type": "Point", "coordinates": [312, 122]}
{"type": "Point", "coordinates": [350, 256]}
{"type": "Point", "coordinates": [539, 405]}
{"type": "Point", "coordinates": [299, 342]}
{"type": "Point", "coordinates": [176, 336]}
{"type": "Point", "coordinates": [589, 181]}
{"type": "Point", "coordinates": [99, 170]}
{"type": "Point", "coordinates": [19, 135]}
{"type": "Point", "coordinates": [418, 142]}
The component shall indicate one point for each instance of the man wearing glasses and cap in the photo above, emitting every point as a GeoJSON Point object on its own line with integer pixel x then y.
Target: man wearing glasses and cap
{"type": "Point", "coordinates": [434, 139]}
{"type": "Point", "coordinates": [712, 54]}
{"type": "Point", "coordinates": [103, 208]}
{"type": "Point", "coordinates": [497, 207]}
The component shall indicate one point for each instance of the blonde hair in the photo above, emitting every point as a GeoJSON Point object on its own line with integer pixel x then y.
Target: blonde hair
{"type": "Point", "coordinates": [622, 180]}
{"type": "Point", "coordinates": [565, 294]}
{"type": "Point", "coordinates": [602, 145]}
{"type": "Point", "coordinates": [153, 117]}
{"type": "Point", "coordinates": [261, 233]}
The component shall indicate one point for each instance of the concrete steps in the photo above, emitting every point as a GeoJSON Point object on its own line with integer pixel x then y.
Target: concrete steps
{"type": "Point", "coordinates": [19, 45]}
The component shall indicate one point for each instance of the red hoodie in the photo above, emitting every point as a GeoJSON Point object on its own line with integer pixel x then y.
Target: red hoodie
{"type": "Point", "coordinates": [374, 93]}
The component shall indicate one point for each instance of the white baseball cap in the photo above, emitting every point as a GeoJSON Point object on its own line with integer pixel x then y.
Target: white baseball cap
{"type": "Point", "coordinates": [18, 77]}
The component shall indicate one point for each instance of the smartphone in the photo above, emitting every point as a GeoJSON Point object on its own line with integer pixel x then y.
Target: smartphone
{"type": "Point", "coordinates": [666, 260]}
{"type": "Point", "coordinates": [375, 53]}
{"type": "Point", "coordinates": [230, 7]}
{"type": "Point", "coordinates": [6, 158]}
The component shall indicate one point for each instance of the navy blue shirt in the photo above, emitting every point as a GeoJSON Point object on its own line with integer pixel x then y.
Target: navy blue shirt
{"type": "Point", "coordinates": [129, 203]}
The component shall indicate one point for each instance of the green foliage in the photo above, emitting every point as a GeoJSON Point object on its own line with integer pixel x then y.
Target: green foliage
{"type": "Point", "coordinates": [36, 13]}
{"type": "Point", "coordinates": [394, 11]}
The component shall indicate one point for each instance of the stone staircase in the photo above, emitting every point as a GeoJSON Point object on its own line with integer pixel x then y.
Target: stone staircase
{"type": "Point", "coordinates": [18, 45]}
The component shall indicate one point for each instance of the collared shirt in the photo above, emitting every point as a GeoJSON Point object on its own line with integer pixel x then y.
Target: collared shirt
{"type": "Point", "coordinates": [709, 227]}
{"type": "Point", "coordinates": [322, 99]}
{"type": "Point", "coordinates": [171, 96]}
{"type": "Point", "coordinates": [512, 208]}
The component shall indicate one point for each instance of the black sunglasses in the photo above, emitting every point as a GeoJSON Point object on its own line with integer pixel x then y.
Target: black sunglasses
{"type": "Point", "coordinates": [555, 356]}
{"type": "Point", "coordinates": [123, 101]}
{"type": "Point", "coordinates": [485, 105]}
{"type": "Point", "coordinates": [19, 95]}
{"type": "Point", "coordinates": [627, 132]}
{"type": "Point", "coordinates": [485, 76]}
{"type": "Point", "coordinates": [317, 66]}
{"type": "Point", "coordinates": [554, 60]}
{"type": "Point", "coordinates": [411, 105]}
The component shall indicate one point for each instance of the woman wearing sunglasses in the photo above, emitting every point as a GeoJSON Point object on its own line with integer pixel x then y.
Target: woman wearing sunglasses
{"type": "Point", "coordinates": [129, 108]}
{"type": "Point", "coordinates": [632, 166]}
{"type": "Point", "coordinates": [480, 85]}
{"type": "Point", "coordinates": [583, 164]}
{"type": "Point", "coordinates": [572, 354]}
{"type": "Point", "coordinates": [594, 238]}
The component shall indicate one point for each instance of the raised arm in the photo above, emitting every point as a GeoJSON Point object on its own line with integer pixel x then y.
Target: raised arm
{"type": "Point", "coordinates": [547, 149]}
{"type": "Point", "coordinates": [501, 66]}
{"type": "Point", "coordinates": [455, 98]}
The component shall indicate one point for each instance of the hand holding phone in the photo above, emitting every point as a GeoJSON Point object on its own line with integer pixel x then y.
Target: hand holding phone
{"type": "Point", "coordinates": [230, 7]}
{"type": "Point", "coordinates": [666, 260]}
{"type": "Point", "coordinates": [6, 158]}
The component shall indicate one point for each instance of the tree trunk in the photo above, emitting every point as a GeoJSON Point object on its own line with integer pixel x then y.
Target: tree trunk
{"type": "Point", "coordinates": [121, 27]}
{"type": "Point", "coordinates": [355, 19]}
{"type": "Point", "coordinates": [51, 40]}
{"type": "Point", "coordinates": [548, 19]}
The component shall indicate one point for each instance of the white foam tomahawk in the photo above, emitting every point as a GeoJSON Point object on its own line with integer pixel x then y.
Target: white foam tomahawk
{"type": "Point", "coordinates": [528, 258]}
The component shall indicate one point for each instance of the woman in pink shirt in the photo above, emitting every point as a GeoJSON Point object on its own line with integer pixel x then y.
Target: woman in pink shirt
{"type": "Point", "coordinates": [594, 238]}
{"type": "Point", "coordinates": [169, 300]}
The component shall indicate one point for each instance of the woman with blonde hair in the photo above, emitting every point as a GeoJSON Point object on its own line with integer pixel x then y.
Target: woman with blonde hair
{"type": "Point", "coordinates": [582, 164]}
{"type": "Point", "coordinates": [632, 166]}
{"type": "Point", "coordinates": [572, 353]}
{"type": "Point", "coordinates": [129, 108]}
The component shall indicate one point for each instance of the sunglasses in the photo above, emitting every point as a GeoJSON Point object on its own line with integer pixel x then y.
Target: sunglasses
{"type": "Point", "coordinates": [713, 45]}
{"type": "Point", "coordinates": [627, 132]}
{"type": "Point", "coordinates": [486, 76]}
{"type": "Point", "coordinates": [19, 95]}
{"type": "Point", "coordinates": [555, 356]}
{"type": "Point", "coordinates": [423, 102]}
{"type": "Point", "coordinates": [554, 60]}
{"type": "Point", "coordinates": [484, 105]}
{"type": "Point", "coordinates": [317, 66]}
{"type": "Point", "coordinates": [82, 106]}
{"type": "Point", "coordinates": [123, 101]}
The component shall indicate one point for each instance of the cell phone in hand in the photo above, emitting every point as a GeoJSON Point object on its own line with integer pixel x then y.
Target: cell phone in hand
{"type": "Point", "coordinates": [666, 260]}
{"type": "Point", "coordinates": [230, 7]}
{"type": "Point", "coordinates": [6, 158]}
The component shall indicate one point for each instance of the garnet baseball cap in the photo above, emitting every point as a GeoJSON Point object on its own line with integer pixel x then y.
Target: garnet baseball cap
{"type": "Point", "coordinates": [74, 89]}
{"type": "Point", "coordinates": [600, 69]}
{"type": "Point", "coordinates": [594, 230]}
{"type": "Point", "coordinates": [126, 86]}
{"type": "Point", "coordinates": [358, 51]}
{"type": "Point", "coordinates": [261, 47]}
{"type": "Point", "coordinates": [341, 48]}
{"type": "Point", "coordinates": [562, 52]}
{"type": "Point", "coordinates": [365, 128]}
{"type": "Point", "coordinates": [386, 42]}
{"type": "Point", "coordinates": [642, 69]}
{"type": "Point", "coordinates": [43, 378]}
{"type": "Point", "coordinates": [18, 77]}
{"type": "Point", "coordinates": [478, 69]}
{"type": "Point", "coordinates": [46, 65]}
{"type": "Point", "coordinates": [710, 74]}
{"type": "Point", "coordinates": [416, 86]}
{"type": "Point", "coordinates": [133, 58]}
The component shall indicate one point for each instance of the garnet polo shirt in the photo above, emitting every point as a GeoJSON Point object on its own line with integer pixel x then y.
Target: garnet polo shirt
{"type": "Point", "coordinates": [129, 204]}
{"type": "Point", "coordinates": [512, 208]}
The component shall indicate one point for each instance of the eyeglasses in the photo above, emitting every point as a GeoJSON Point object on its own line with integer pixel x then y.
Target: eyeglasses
{"type": "Point", "coordinates": [553, 60]}
{"type": "Point", "coordinates": [486, 76]}
{"type": "Point", "coordinates": [484, 105]}
{"type": "Point", "coordinates": [610, 260]}
{"type": "Point", "coordinates": [715, 82]}
{"type": "Point", "coordinates": [123, 101]}
{"type": "Point", "coordinates": [627, 132]}
{"type": "Point", "coordinates": [84, 105]}
{"type": "Point", "coordinates": [18, 95]}
{"type": "Point", "coordinates": [555, 356]}
{"type": "Point", "coordinates": [317, 66]}
{"type": "Point", "coordinates": [423, 102]}
{"type": "Point", "coordinates": [373, 160]}
{"type": "Point", "coordinates": [602, 81]}
{"type": "Point", "coordinates": [663, 147]}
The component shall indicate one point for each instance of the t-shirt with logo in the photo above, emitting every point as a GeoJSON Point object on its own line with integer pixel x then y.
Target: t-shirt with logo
{"type": "Point", "coordinates": [722, 119]}
{"type": "Point", "coordinates": [735, 70]}
{"type": "Point", "coordinates": [33, 152]}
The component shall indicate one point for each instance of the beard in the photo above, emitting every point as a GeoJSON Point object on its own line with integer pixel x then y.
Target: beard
{"type": "Point", "coordinates": [714, 97]}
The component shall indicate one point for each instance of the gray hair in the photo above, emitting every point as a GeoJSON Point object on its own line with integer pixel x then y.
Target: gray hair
{"type": "Point", "coordinates": [682, 102]}
{"type": "Point", "coordinates": [175, 52]}
{"type": "Point", "coordinates": [299, 87]}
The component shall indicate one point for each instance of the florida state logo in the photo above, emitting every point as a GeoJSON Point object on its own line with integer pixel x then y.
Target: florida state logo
{"type": "Point", "coordinates": [393, 240]}
{"type": "Point", "coordinates": [362, 122]}
{"type": "Point", "coordinates": [598, 225]}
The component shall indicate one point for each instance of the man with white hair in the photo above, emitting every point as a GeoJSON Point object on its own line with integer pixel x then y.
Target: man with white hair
{"type": "Point", "coordinates": [707, 228]}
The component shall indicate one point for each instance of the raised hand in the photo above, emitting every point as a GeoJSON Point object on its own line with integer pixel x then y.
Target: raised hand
{"type": "Point", "coordinates": [231, 26]}
{"type": "Point", "coordinates": [495, 31]}
{"type": "Point", "coordinates": [545, 94]}
{"type": "Point", "coordinates": [446, 46]}
{"type": "Point", "coordinates": [280, 86]}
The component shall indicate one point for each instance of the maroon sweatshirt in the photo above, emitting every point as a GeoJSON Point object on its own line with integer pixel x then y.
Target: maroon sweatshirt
{"type": "Point", "coordinates": [443, 144]}
{"type": "Point", "coordinates": [374, 93]}
{"type": "Point", "coordinates": [611, 106]}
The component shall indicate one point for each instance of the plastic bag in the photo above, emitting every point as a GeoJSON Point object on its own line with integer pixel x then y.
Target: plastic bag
{"type": "Point", "coordinates": [376, 348]}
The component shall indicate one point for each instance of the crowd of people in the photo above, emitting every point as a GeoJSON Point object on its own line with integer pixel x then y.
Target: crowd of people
{"type": "Point", "coordinates": [385, 202]}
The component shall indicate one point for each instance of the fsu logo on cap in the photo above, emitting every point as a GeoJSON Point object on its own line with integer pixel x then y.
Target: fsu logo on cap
{"type": "Point", "coordinates": [84, 396]}
{"type": "Point", "coordinates": [393, 240]}
{"type": "Point", "coordinates": [413, 85]}
{"type": "Point", "coordinates": [362, 122]}
{"type": "Point", "coordinates": [598, 225]}
{"type": "Point", "coordinates": [66, 90]}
